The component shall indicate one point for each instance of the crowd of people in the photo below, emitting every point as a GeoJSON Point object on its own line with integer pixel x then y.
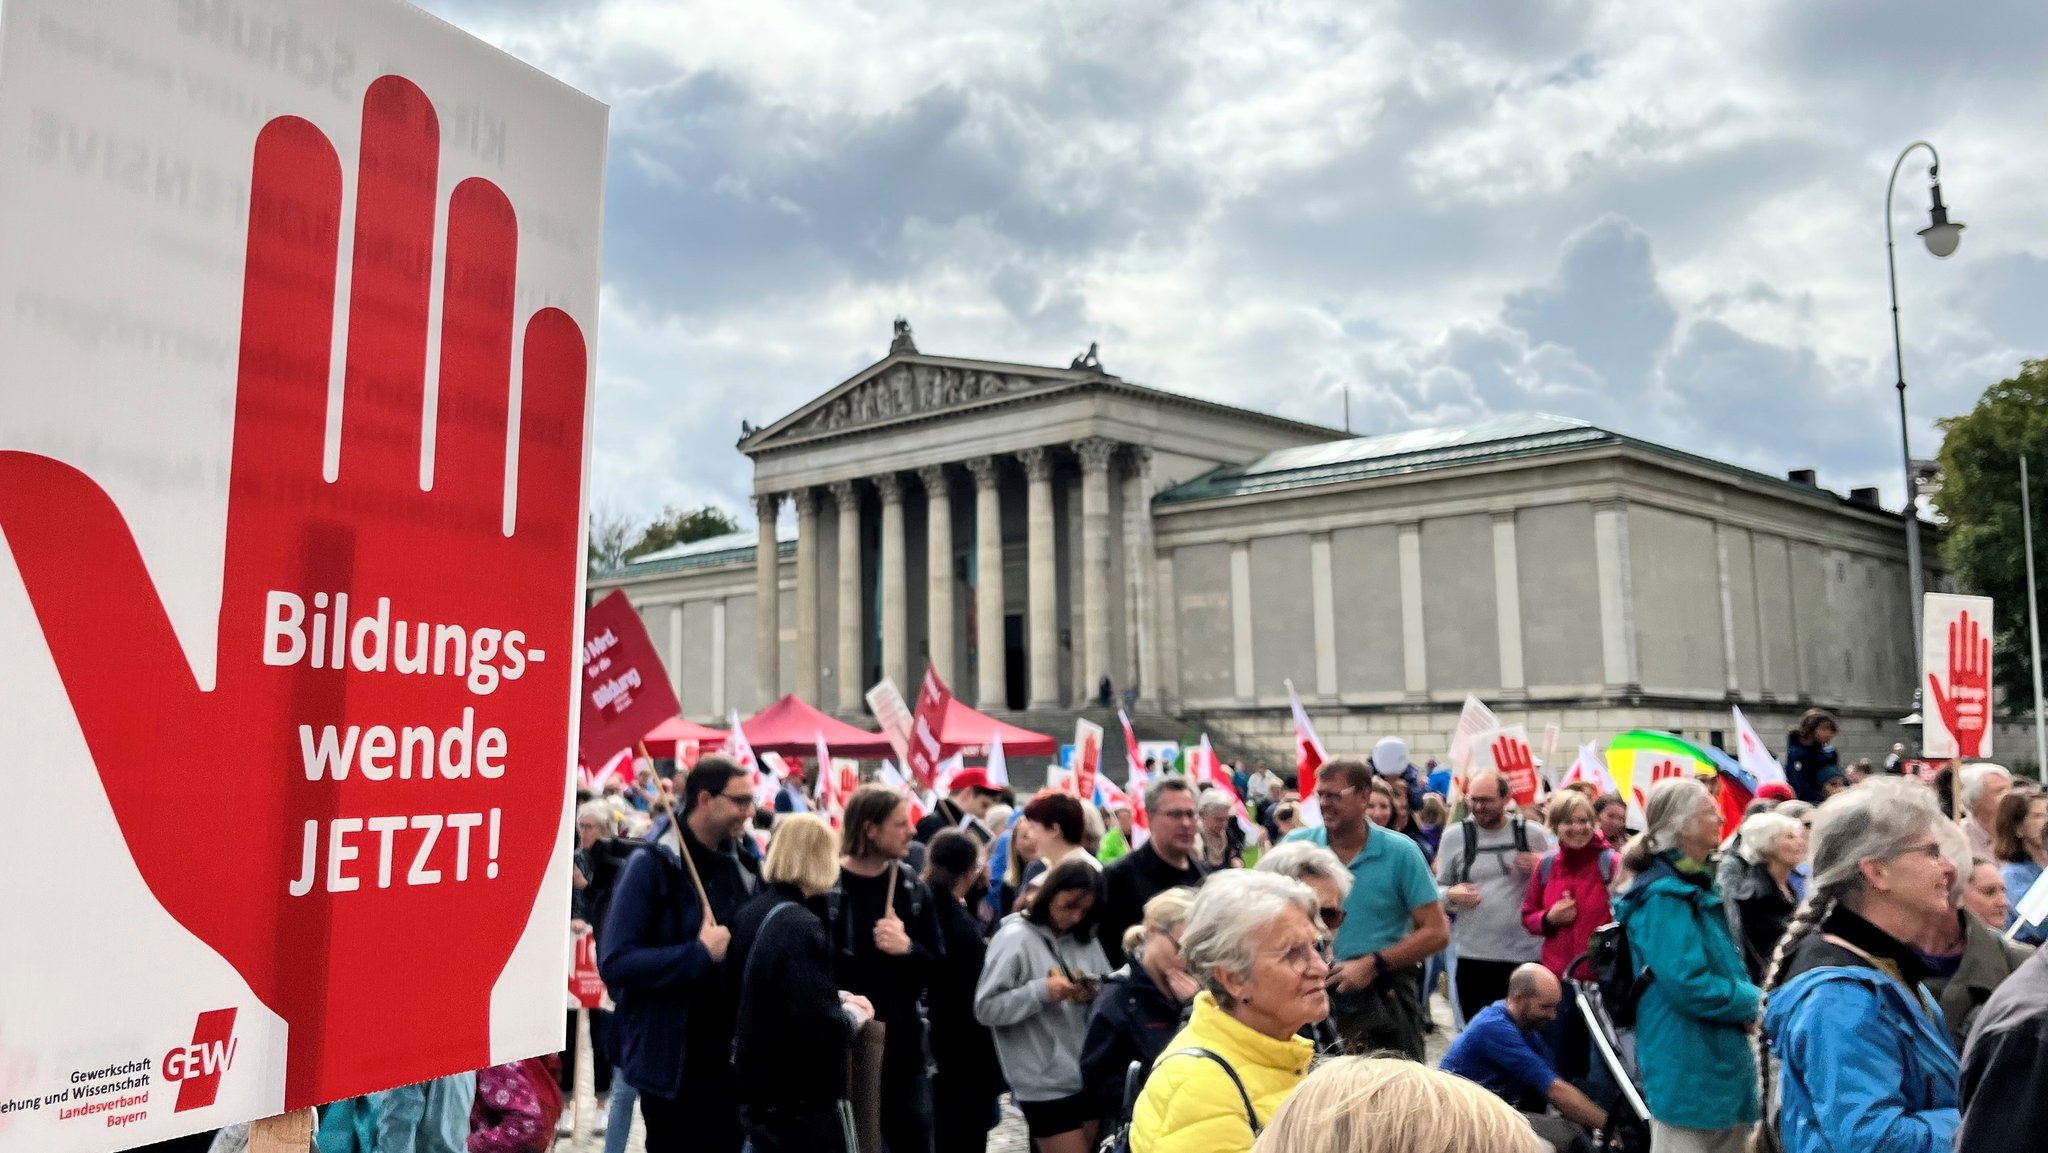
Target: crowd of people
{"type": "Point", "coordinates": [1847, 973]}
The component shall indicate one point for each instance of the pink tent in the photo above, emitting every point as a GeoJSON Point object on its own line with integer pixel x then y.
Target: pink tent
{"type": "Point", "coordinates": [662, 741]}
{"type": "Point", "coordinates": [970, 733]}
{"type": "Point", "coordinates": [791, 727]}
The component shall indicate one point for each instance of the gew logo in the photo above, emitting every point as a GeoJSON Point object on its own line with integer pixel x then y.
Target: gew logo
{"type": "Point", "coordinates": [197, 1067]}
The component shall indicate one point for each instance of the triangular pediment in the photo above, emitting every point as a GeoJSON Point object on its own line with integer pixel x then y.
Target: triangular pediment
{"type": "Point", "coordinates": [910, 387]}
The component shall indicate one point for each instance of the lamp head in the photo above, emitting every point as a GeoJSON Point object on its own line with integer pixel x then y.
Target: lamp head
{"type": "Point", "coordinates": [1941, 234]}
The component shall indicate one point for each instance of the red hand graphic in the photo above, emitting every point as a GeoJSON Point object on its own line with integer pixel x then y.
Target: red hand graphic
{"type": "Point", "coordinates": [1517, 763]}
{"type": "Point", "coordinates": [390, 982]}
{"type": "Point", "coordinates": [1966, 707]}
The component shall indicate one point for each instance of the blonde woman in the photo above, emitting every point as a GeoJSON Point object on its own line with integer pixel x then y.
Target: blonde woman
{"type": "Point", "coordinates": [794, 1025]}
{"type": "Point", "coordinates": [1388, 1105]}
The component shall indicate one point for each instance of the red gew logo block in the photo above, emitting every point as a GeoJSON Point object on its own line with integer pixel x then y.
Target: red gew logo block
{"type": "Point", "coordinates": [197, 1067]}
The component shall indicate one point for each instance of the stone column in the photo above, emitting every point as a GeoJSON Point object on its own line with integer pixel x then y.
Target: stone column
{"type": "Point", "coordinates": [895, 584]}
{"type": "Point", "coordinates": [1143, 567]}
{"type": "Point", "coordinates": [1414, 638]}
{"type": "Point", "coordinates": [850, 676]}
{"type": "Point", "coordinates": [1507, 600]}
{"type": "Point", "coordinates": [989, 674]}
{"type": "Point", "coordinates": [1094, 453]}
{"type": "Point", "coordinates": [1045, 628]}
{"type": "Point", "coordinates": [1617, 596]}
{"type": "Point", "coordinates": [807, 544]}
{"type": "Point", "coordinates": [938, 503]}
{"type": "Point", "coordinates": [767, 604]}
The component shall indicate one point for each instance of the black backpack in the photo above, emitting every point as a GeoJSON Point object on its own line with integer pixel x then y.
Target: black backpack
{"type": "Point", "coordinates": [1134, 1082]}
{"type": "Point", "coordinates": [1471, 834]}
{"type": "Point", "coordinates": [1613, 967]}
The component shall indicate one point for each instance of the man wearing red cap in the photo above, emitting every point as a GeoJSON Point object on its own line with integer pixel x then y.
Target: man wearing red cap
{"type": "Point", "coordinates": [968, 799]}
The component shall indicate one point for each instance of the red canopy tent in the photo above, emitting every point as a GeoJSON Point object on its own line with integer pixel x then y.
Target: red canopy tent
{"type": "Point", "coordinates": [970, 733]}
{"type": "Point", "coordinates": [791, 727]}
{"type": "Point", "coordinates": [662, 740]}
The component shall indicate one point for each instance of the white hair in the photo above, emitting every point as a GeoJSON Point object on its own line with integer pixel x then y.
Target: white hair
{"type": "Point", "coordinates": [1673, 804]}
{"type": "Point", "coordinates": [1300, 860]}
{"type": "Point", "coordinates": [1873, 820]}
{"type": "Point", "coordinates": [602, 813]}
{"type": "Point", "coordinates": [1212, 801]}
{"type": "Point", "coordinates": [1974, 777]}
{"type": "Point", "coordinates": [1225, 923]}
{"type": "Point", "coordinates": [1761, 833]}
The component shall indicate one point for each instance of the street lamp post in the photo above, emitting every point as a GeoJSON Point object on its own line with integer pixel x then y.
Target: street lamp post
{"type": "Point", "coordinates": [1941, 236]}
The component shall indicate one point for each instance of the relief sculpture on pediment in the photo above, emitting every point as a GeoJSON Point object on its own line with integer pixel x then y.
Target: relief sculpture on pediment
{"type": "Point", "coordinates": [908, 390]}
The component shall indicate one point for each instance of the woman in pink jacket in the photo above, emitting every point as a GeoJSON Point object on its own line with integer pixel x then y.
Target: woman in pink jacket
{"type": "Point", "coordinates": [1567, 896]}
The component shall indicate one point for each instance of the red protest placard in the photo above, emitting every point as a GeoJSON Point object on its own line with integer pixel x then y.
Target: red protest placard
{"type": "Point", "coordinates": [1508, 749]}
{"type": "Point", "coordinates": [625, 693]}
{"type": "Point", "coordinates": [1956, 652]}
{"type": "Point", "coordinates": [584, 984]}
{"type": "Point", "coordinates": [1087, 758]}
{"type": "Point", "coordinates": [925, 751]}
{"type": "Point", "coordinates": [336, 570]}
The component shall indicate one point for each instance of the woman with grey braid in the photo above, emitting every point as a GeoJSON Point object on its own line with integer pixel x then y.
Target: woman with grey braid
{"type": "Point", "coordinates": [1697, 1002]}
{"type": "Point", "coordinates": [1854, 1047]}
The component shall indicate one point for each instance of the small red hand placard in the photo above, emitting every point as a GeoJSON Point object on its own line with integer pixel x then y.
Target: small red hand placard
{"type": "Point", "coordinates": [359, 814]}
{"type": "Point", "coordinates": [1965, 707]}
{"type": "Point", "coordinates": [1517, 762]}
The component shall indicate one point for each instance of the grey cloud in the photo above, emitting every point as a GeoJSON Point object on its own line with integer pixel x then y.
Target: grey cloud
{"type": "Point", "coordinates": [1604, 304]}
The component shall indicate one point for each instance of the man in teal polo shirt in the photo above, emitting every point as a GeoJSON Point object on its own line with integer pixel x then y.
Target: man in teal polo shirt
{"type": "Point", "coordinates": [1393, 919]}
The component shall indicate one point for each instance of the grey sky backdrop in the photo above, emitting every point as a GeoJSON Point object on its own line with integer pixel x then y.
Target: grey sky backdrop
{"type": "Point", "coordinates": [1664, 218]}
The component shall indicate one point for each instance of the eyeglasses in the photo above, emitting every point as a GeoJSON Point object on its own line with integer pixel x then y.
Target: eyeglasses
{"type": "Point", "coordinates": [1331, 917]}
{"type": "Point", "coordinates": [1931, 850]}
{"type": "Point", "coordinates": [1332, 796]}
{"type": "Point", "coordinates": [1174, 815]}
{"type": "Point", "coordinates": [1306, 955]}
{"type": "Point", "coordinates": [746, 798]}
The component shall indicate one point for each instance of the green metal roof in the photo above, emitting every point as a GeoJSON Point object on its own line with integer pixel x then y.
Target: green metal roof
{"type": "Point", "coordinates": [1392, 454]}
{"type": "Point", "coordinates": [732, 548]}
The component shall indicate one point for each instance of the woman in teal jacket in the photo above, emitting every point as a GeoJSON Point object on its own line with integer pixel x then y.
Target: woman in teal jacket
{"type": "Point", "coordinates": [1697, 1003]}
{"type": "Point", "coordinates": [1858, 1052]}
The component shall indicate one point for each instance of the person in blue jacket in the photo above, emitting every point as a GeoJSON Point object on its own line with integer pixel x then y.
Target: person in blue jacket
{"type": "Point", "coordinates": [1810, 757]}
{"type": "Point", "coordinates": [672, 1028]}
{"type": "Point", "coordinates": [1697, 1004]}
{"type": "Point", "coordinates": [1853, 1045]}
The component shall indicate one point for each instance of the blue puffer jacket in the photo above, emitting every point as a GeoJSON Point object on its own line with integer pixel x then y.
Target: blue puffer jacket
{"type": "Point", "coordinates": [1698, 1070]}
{"type": "Point", "coordinates": [1863, 1065]}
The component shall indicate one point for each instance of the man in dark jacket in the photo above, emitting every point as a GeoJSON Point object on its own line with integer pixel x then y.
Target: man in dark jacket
{"type": "Point", "coordinates": [672, 1029]}
{"type": "Point", "coordinates": [1164, 862]}
{"type": "Point", "coordinates": [968, 799]}
{"type": "Point", "coordinates": [2004, 1084]}
{"type": "Point", "coordinates": [886, 947]}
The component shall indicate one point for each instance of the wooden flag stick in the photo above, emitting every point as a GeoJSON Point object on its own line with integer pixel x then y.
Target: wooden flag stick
{"type": "Point", "coordinates": [889, 899]}
{"type": "Point", "coordinates": [668, 809]}
{"type": "Point", "coordinates": [285, 1133]}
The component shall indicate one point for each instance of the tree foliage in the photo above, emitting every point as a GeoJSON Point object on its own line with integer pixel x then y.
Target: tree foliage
{"type": "Point", "coordinates": [1980, 497]}
{"type": "Point", "coordinates": [681, 526]}
{"type": "Point", "coordinates": [611, 534]}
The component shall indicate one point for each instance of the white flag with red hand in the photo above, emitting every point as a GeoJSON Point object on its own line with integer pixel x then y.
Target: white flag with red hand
{"type": "Point", "coordinates": [1957, 656]}
{"type": "Point", "coordinates": [1752, 754]}
{"type": "Point", "coordinates": [998, 764]}
{"type": "Point", "coordinates": [1309, 756]}
{"type": "Point", "coordinates": [1087, 758]}
{"type": "Point", "coordinates": [1591, 766]}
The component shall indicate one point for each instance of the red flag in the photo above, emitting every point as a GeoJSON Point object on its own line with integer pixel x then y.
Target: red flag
{"type": "Point", "coordinates": [1134, 761]}
{"type": "Point", "coordinates": [1308, 747]}
{"type": "Point", "coordinates": [923, 756]}
{"type": "Point", "coordinates": [1087, 758]}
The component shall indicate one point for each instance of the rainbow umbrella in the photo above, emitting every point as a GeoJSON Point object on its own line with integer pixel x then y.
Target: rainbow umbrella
{"type": "Point", "coordinates": [1641, 755]}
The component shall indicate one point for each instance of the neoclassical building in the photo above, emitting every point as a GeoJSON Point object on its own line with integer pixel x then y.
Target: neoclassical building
{"type": "Point", "coordinates": [1031, 530]}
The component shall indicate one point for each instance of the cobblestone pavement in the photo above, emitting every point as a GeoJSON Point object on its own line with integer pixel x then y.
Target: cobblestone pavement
{"type": "Point", "coordinates": [1009, 1136]}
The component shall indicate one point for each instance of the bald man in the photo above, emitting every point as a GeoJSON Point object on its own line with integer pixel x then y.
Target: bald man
{"type": "Point", "coordinates": [1503, 1049]}
{"type": "Point", "coordinates": [1482, 870]}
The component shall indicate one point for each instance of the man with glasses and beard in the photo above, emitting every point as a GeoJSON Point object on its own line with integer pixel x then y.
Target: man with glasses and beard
{"type": "Point", "coordinates": [1165, 861]}
{"type": "Point", "coordinates": [663, 958]}
{"type": "Point", "coordinates": [1393, 919]}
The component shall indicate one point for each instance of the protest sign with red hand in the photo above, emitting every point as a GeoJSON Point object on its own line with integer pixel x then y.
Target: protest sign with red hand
{"type": "Point", "coordinates": [1516, 762]}
{"type": "Point", "coordinates": [388, 718]}
{"type": "Point", "coordinates": [1965, 704]}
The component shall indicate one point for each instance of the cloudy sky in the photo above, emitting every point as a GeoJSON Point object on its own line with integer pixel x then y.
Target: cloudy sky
{"type": "Point", "coordinates": [1664, 218]}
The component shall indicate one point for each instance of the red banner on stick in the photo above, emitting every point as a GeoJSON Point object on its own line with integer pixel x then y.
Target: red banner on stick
{"type": "Point", "coordinates": [925, 752]}
{"type": "Point", "coordinates": [625, 691]}
{"type": "Point", "coordinates": [584, 983]}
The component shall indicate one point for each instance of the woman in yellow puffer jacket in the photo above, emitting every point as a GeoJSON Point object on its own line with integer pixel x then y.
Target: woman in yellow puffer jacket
{"type": "Point", "coordinates": [1254, 945]}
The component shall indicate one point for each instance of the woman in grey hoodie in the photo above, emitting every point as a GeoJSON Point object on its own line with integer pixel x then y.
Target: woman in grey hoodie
{"type": "Point", "coordinates": [1043, 969]}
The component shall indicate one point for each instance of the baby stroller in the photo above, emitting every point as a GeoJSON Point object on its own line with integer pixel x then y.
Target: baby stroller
{"type": "Point", "coordinates": [1628, 1122]}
